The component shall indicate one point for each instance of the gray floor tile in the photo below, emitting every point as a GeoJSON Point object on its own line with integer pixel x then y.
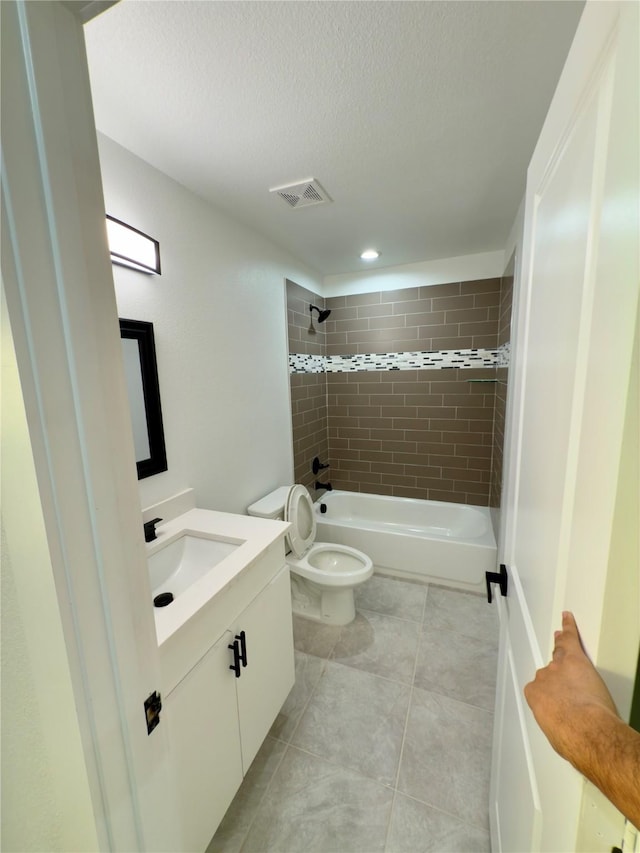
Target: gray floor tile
{"type": "Point", "coordinates": [417, 828]}
{"type": "Point", "coordinates": [236, 822]}
{"type": "Point", "coordinates": [458, 666]}
{"type": "Point", "coordinates": [314, 638]}
{"type": "Point", "coordinates": [313, 805]}
{"type": "Point", "coordinates": [379, 644]}
{"type": "Point", "coordinates": [308, 672]}
{"type": "Point", "coordinates": [392, 597]}
{"type": "Point", "coordinates": [357, 720]}
{"type": "Point", "coordinates": [463, 612]}
{"type": "Point", "coordinates": [446, 759]}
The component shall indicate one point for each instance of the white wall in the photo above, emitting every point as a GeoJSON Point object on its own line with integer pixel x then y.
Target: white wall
{"type": "Point", "coordinates": [46, 803]}
{"type": "Point", "coordinates": [422, 274]}
{"type": "Point", "coordinates": [219, 315]}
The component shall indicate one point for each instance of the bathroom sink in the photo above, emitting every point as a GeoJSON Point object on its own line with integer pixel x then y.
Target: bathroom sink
{"type": "Point", "coordinates": [185, 560]}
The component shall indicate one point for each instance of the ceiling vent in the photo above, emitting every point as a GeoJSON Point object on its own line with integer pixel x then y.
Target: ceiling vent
{"type": "Point", "coordinates": [303, 194]}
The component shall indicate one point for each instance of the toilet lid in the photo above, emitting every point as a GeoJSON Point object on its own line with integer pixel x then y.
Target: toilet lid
{"type": "Point", "coordinates": [299, 511]}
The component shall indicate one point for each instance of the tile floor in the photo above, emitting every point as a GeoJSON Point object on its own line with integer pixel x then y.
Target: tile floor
{"type": "Point", "coordinates": [384, 743]}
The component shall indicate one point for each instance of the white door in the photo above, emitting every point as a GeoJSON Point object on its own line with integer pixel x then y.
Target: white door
{"type": "Point", "coordinates": [575, 318]}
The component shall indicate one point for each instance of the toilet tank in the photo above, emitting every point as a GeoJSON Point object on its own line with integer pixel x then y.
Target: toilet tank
{"type": "Point", "coordinates": [271, 505]}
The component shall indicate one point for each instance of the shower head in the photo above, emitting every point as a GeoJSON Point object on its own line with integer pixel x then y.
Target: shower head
{"type": "Point", "coordinates": [322, 313]}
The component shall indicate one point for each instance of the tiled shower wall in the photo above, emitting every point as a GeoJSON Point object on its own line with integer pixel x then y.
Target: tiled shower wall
{"type": "Point", "coordinates": [502, 372]}
{"type": "Point", "coordinates": [308, 390]}
{"type": "Point", "coordinates": [425, 433]}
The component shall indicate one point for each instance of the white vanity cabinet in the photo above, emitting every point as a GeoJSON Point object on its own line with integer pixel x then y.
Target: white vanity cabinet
{"type": "Point", "coordinates": [201, 714]}
{"type": "Point", "coordinates": [217, 721]}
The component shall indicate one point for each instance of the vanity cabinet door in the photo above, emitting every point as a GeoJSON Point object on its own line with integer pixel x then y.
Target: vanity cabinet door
{"type": "Point", "coordinates": [202, 717]}
{"type": "Point", "coordinates": [269, 674]}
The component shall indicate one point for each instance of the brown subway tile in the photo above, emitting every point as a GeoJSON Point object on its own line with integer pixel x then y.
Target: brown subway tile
{"type": "Point", "coordinates": [366, 477]}
{"type": "Point", "coordinates": [474, 413]}
{"type": "Point", "coordinates": [433, 290]}
{"type": "Point", "coordinates": [388, 436]}
{"type": "Point", "coordinates": [485, 341]}
{"type": "Point", "coordinates": [443, 461]}
{"type": "Point", "coordinates": [389, 336]}
{"type": "Point", "coordinates": [418, 459]}
{"type": "Point", "coordinates": [376, 458]}
{"type": "Point", "coordinates": [408, 492]}
{"type": "Point", "coordinates": [372, 310]}
{"type": "Point", "coordinates": [364, 411]}
{"type": "Point", "coordinates": [399, 412]}
{"type": "Point", "coordinates": [364, 444]}
{"type": "Point", "coordinates": [477, 500]}
{"type": "Point", "coordinates": [387, 322]}
{"type": "Point", "coordinates": [349, 399]}
{"type": "Point", "coordinates": [479, 327]}
{"type": "Point", "coordinates": [472, 488]}
{"type": "Point", "coordinates": [436, 412]}
{"type": "Point", "coordinates": [398, 480]}
{"type": "Point", "coordinates": [353, 465]}
{"type": "Point", "coordinates": [423, 472]}
{"type": "Point", "coordinates": [343, 327]}
{"type": "Point", "coordinates": [417, 306]}
{"type": "Point", "coordinates": [486, 300]}
{"type": "Point", "coordinates": [483, 285]}
{"type": "Point", "coordinates": [434, 483]}
{"type": "Point", "coordinates": [343, 313]}
{"type": "Point", "coordinates": [449, 303]}
{"type": "Point", "coordinates": [467, 476]}
{"type": "Point", "coordinates": [432, 325]}
{"type": "Point", "coordinates": [390, 468]}
{"type": "Point", "coordinates": [363, 299]}
{"type": "Point", "coordinates": [449, 497]}
{"type": "Point", "coordinates": [383, 399]}
{"type": "Point", "coordinates": [403, 295]}
{"type": "Point", "coordinates": [335, 301]}
{"type": "Point", "coordinates": [370, 376]}
{"type": "Point", "coordinates": [466, 315]}
{"type": "Point", "coordinates": [424, 400]}
{"type": "Point", "coordinates": [376, 423]}
{"type": "Point", "coordinates": [462, 437]}
{"type": "Point", "coordinates": [473, 451]}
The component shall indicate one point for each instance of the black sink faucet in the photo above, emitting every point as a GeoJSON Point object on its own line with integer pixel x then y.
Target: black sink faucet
{"type": "Point", "coordinates": [150, 529]}
{"type": "Point", "coordinates": [326, 486]}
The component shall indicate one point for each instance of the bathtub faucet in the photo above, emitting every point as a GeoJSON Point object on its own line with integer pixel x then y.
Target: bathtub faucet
{"type": "Point", "coordinates": [326, 486]}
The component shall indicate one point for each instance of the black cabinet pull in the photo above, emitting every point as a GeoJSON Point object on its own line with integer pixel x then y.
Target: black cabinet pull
{"type": "Point", "coordinates": [243, 647]}
{"type": "Point", "coordinates": [235, 666]}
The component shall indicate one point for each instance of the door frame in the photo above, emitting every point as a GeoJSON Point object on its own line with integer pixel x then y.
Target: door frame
{"type": "Point", "coordinates": [61, 304]}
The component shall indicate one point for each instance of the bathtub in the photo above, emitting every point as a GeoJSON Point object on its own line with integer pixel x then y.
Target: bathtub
{"type": "Point", "coordinates": [431, 541]}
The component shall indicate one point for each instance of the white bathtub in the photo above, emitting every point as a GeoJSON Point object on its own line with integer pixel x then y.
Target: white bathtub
{"type": "Point", "coordinates": [432, 541]}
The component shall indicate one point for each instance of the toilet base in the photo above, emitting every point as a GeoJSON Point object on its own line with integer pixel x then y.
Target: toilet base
{"type": "Point", "coordinates": [331, 606]}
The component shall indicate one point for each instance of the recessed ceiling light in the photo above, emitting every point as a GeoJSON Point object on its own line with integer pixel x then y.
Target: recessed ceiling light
{"type": "Point", "coordinates": [370, 254]}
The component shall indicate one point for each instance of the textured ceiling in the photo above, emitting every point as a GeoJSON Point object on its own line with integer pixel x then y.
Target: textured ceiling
{"type": "Point", "coordinates": [418, 118]}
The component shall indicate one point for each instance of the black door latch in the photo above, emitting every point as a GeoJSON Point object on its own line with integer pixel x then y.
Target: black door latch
{"type": "Point", "coordinates": [152, 708]}
{"type": "Point", "coordinates": [501, 578]}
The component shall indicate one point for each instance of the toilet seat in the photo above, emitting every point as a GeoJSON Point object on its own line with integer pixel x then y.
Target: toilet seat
{"type": "Point", "coordinates": [333, 566]}
{"type": "Point", "coordinates": [298, 510]}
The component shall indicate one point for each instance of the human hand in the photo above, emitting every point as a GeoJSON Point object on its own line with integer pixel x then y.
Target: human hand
{"type": "Point", "coordinates": [568, 695]}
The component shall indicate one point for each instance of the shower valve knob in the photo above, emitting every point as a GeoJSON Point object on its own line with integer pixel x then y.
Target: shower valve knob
{"type": "Point", "coordinates": [317, 465]}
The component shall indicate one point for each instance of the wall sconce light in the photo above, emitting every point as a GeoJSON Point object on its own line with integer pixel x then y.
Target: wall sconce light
{"type": "Point", "coordinates": [132, 248]}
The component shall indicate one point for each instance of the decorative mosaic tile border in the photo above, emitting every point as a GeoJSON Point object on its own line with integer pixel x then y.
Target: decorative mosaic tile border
{"type": "Point", "coordinates": [504, 355]}
{"type": "Point", "coordinates": [300, 363]}
{"type": "Point", "coordinates": [438, 360]}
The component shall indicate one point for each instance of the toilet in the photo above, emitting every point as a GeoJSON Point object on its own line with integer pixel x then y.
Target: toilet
{"type": "Point", "coordinates": [323, 575]}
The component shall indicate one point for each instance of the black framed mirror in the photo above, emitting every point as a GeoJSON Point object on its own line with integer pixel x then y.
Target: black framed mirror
{"type": "Point", "coordinates": [141, 373]}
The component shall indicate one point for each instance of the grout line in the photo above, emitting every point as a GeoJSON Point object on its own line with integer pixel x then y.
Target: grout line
{"type": "Point", "coordinates": [262, 798]}
{"type": "Point", "coordinates": [406, 723]}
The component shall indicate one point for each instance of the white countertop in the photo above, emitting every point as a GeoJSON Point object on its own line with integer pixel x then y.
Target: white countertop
{"type": "Point", "coordinates": [255, 534]}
